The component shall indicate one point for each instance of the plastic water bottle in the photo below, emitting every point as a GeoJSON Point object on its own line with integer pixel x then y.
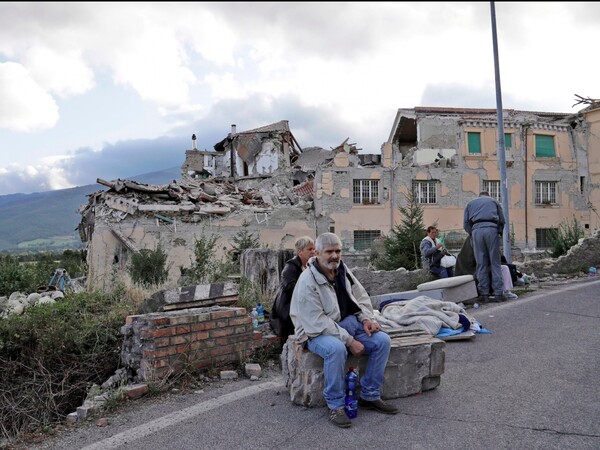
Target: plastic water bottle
{"type": "Point", "coordinates": [254, 315]}
{"type": "Point", "coordinates": [261, 314]}
{"type": "Point", "coordinates": [351, 400]}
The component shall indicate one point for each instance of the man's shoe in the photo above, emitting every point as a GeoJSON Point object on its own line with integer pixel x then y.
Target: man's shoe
{"type": "Point", "coordinates": [339, 418]}
{"type": "Point", "coordinates": [511, 296]}
{"type": "Point", "coordinates": [377, 405]}
{"type": "Point", "coordinates": [484, 298]}
{"type": "Point", "coordinates": [498, 298]}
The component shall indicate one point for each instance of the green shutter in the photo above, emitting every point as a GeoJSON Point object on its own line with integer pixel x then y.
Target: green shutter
{"type": "Point", "coordinates": [544, 146]}
{"type": "Point", "coordinates": [474, 141]}
{"type": "Point", "coordinates": [507, 140]}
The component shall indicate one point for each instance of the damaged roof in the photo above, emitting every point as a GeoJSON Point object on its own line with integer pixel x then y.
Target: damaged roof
{"type": "Point", "coordinates": [282, 127]}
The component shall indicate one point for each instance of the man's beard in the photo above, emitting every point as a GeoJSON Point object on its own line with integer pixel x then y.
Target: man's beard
{"type": "Point", "coordinates": [332, 265]}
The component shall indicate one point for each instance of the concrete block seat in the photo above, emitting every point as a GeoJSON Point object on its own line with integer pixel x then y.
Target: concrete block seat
{"type": "Point", "coordinates": [416, 364]}
{"type": "Point", "coordinates": [454, 289]}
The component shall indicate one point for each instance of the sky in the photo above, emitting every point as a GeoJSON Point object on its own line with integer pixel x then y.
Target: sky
{"type": "Point", "coordinates": [114, 89]}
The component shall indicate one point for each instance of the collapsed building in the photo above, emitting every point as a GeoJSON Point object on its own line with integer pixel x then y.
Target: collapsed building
{"type": "Point", "coordinates": [262, 178]}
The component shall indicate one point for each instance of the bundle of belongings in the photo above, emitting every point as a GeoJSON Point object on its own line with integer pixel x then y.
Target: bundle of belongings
{"type": "Point", "coordinates": [444, 320]}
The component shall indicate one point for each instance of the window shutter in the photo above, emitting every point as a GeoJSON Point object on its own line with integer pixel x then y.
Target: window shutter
{"type": "Point", "coordinates": [474, 142]}
{"type": "Point", "coordinates": [544, 146]}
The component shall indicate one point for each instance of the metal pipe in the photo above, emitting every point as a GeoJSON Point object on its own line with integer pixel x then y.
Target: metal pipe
{"type": "Point", "coordinates": [501, 143]}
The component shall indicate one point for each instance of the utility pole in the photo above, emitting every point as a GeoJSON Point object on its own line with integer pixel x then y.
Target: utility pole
{"type": "Point", "coordinates": [501, 143]}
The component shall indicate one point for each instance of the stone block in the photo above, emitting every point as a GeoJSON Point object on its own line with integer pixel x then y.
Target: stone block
{"type": "Point", "coordinates": [134, 391]}
{"type": "Point", "coordinates": [83, 412]}
{"type": "Point", "coordinates": [416, 364]}
{"type": "Point", "coordinates": [228, 375]}
{"type": "Point", "coordinates": [253, 370]}
{"type": "Point", "coordinates": [461, 293]}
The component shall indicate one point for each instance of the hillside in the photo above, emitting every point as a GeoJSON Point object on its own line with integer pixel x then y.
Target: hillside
{"type": "Point", "coordinates": [48, 220]}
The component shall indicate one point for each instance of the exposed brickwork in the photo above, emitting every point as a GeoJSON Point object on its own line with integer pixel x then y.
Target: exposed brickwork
{"type": "Point", "coordinates": [158, 344]}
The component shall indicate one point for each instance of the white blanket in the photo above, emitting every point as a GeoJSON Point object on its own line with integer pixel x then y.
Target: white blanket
{"type": "Point", "coordinates": [425, 312]}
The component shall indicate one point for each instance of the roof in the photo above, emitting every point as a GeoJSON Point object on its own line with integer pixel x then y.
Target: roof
{"type": "Point", "coordinates": [278, 127]}
{"type": "Point", "coordinates": [406, 117]}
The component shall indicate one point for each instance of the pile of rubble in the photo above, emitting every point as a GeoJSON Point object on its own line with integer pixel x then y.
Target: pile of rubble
{"type": "Point", "coordinates": [188, 199]}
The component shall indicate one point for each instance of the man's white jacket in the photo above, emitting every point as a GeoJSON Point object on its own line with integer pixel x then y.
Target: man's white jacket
{"type": "Point", "coordinates": [314, 308]}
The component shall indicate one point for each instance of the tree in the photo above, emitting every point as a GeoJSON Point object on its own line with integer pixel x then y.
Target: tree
{"type": "Point", "coordinates": [149, 267]}
{"type": "Point", "coordinates": [243, 240]}
{"type": "Point", "coordinates": [401, 246]}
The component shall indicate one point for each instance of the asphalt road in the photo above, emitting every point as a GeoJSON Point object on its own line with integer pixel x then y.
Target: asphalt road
{"type": "Point", "coordinates": [532, 383]}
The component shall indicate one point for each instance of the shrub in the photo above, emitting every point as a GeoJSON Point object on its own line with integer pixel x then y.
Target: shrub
{"type": "Point", "coordinates": [15, 276]}
{"type": "Point", "coordinates": [206, 265]}
{"type": "Point", "coordinates": [51, 354]}
{"type": "Point", "coordinates": [149, 267]}
{"type": "Point", "coordinates": [566, 236]}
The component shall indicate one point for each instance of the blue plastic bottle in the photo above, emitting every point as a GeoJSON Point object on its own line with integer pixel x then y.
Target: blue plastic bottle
{"type": "Point", "coordinates": [351, 401]}
{"type": "Point", "coordinates": [261, 314]}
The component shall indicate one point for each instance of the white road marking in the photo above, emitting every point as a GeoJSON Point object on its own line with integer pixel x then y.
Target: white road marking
{"type": "Point", "coordinates": [179, 416]}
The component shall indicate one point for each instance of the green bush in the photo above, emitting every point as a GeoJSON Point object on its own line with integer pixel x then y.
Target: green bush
{"type": "Point", "coordinates": [148, 267]}
{"type": "Point", "coordinates": [205, 265]}
{"type": "Point", "coordinates": [50, 355]}
{"type": "Point", "coordinates": [566, 236]}
{"type": "Point", "coordinates": [15, 276]}
{"type": "Point", "coordinates": [74, 262]}
{"type": "Point", "coordinates": [207, 268]}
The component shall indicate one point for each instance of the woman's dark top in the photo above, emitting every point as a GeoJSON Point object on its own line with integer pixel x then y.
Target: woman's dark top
{"type": "Point", "coordinates": [281, 323]}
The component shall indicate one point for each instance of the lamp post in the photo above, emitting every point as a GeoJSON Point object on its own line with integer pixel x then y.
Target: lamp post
{"type": "Point", "coordinates": [501, 143]}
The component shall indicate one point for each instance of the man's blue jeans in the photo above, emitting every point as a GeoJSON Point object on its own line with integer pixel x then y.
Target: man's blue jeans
{"type": "Point", "coordinates": [442, 272]}
{"type": "Point", "coordinates": [334, 354]}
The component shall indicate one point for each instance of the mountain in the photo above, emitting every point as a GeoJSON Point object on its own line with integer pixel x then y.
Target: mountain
{"type": "Point", "coordinates": [48, 220]}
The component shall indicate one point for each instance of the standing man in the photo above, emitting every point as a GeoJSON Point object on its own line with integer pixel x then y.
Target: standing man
{"type": "Point", "coordinates": [484, 221]}
{"type": "Point", "coordinates": [333, 315]}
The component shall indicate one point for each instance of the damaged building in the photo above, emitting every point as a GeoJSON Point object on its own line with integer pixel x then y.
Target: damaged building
{"type": "Point", "coordinates": [262, 177]}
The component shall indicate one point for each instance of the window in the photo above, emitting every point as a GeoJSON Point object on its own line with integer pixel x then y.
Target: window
{"type": "Point", "coordinates": [493, 187]}
{"type": "Point", "coordinates": [545, 192]}
{"type": "Point", "coordinates": [544, 146]}
{"type": "Point", "coordinates": [544, 237]}
{"type": "Point", "coordinates": [425, 191]}
{"type": "Point", "coordinates": [366, 192]}
{"type": "Point", "coordinates": [474, 143]}
{"type": "Point", "coordinates": [508, 141]}
{"type": "Point", "coordinates": [363, 239]}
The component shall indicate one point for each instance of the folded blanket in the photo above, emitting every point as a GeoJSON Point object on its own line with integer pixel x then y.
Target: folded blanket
{"type": "Point", "coordinates": [425, 312]}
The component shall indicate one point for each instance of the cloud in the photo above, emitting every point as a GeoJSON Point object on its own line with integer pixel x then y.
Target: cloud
{"type": "Point", "coordinates": [60, 72]}
{"type": "Point", "coordinates": [25, 106]}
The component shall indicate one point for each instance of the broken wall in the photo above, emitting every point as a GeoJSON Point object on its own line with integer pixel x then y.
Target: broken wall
{"type": "Point", "coordinates": [108, 257]}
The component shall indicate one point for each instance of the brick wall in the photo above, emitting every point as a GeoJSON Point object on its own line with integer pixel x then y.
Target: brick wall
{"type": "Point", "coordinates": [158, 344]}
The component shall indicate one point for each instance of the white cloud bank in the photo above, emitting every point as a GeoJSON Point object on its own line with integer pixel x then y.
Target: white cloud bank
{"type": "Point", "coordinates": [334, 70]}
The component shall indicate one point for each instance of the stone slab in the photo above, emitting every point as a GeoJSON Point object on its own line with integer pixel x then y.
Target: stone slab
{"type": "Point", "coordinates": [416, 364]}
{"type": "Point", "coordinates": [460, 293]}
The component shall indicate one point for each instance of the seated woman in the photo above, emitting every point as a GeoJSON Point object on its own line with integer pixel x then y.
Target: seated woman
{"type": "Point", "coordinates": [281, 323]}
{"type": "Point", "coordinates": [432, 252]}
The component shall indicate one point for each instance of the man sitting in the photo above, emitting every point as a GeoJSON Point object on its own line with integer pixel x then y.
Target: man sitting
{"type": "Point", "coordinates": [432, 252]}
{"type": "Point", "coordinates": [333, 315]}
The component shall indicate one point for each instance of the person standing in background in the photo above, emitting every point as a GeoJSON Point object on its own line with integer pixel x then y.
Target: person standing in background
{"type": "Point", "coordinates": [484, 220]}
